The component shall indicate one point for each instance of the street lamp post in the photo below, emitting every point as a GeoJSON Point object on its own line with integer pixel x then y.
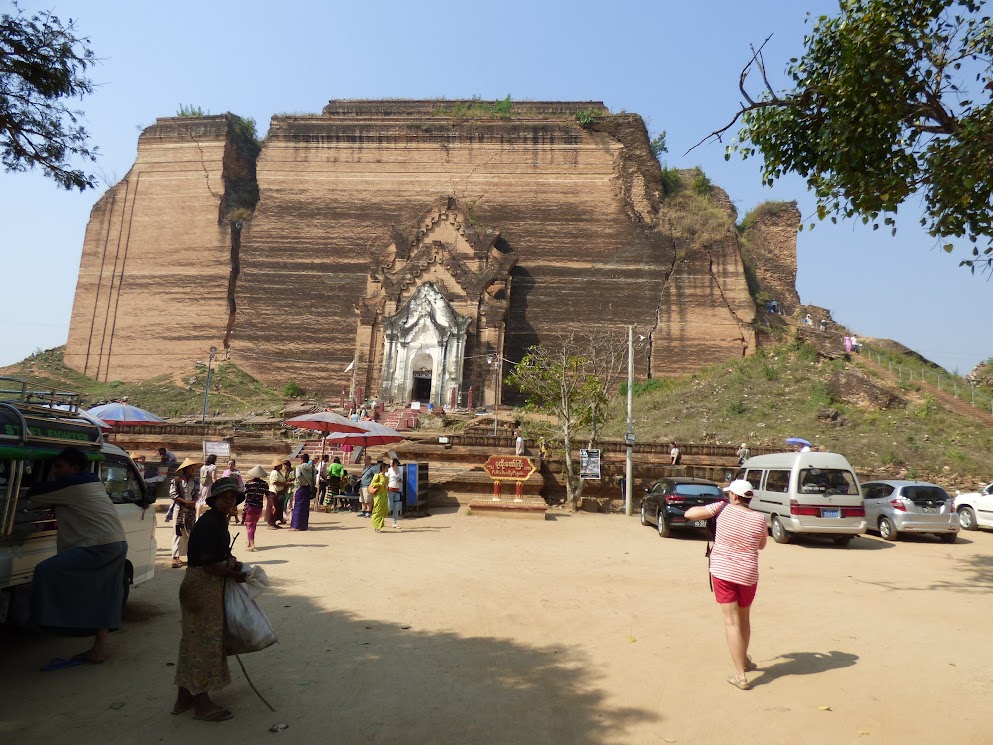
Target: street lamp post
{"type": "Point", "coordinates": [495, 360]}
{"type": "Point", "coordinates": [629, 435]}
{"type": "Point", "coordinates": [206, 393]}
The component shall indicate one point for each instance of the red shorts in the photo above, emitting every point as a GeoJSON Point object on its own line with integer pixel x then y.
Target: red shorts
{"type": "Point", "coordinates": [732, 592]}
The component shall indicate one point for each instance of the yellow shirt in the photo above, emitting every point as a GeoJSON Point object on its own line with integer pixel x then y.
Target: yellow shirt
{"type": "Point", "coordinates": [378, 484]}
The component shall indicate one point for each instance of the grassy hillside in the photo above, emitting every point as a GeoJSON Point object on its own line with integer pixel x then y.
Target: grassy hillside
{"type": "Point", "coordinates": [231, 390]}
{"type": "Point", "coordinates": [854, 408]}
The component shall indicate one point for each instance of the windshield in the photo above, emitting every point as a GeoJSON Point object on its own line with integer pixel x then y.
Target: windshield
{"type": "Point", "coordinates": [827, 481]}
{"type": "Point", "coordinates": [697, 490]}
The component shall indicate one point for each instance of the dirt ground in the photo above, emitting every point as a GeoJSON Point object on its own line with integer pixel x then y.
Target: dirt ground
{"type": "Point", "coordinates": [585, 629]}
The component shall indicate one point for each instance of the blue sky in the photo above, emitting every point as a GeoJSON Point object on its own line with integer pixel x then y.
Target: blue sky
{"type": "Point", "coordinates": [675, 63]}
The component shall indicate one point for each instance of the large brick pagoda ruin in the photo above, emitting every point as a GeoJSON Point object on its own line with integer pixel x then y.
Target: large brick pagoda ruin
{"type": "Point", "coordinates": [427, 241]}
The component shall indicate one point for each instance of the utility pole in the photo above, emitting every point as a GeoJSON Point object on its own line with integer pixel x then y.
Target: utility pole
{"type": "Point", "coordinates": [496, 362]}
{"type": "Point", "coordinates": [629, 436]}
{"type": "Point", "coordinates": [206, 393]}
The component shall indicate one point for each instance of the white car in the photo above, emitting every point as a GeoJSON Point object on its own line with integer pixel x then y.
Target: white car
{"type": "Point", "coordinates": [975, 508]}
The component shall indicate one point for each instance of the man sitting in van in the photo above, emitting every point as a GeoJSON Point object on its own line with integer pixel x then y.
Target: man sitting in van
{"type": "Point", "coordinates": [80, 590]}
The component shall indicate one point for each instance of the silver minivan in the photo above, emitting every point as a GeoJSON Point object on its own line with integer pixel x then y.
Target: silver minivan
{"type": "Point", "coordinates": [895, 507]}
{"type": "Point", "coordinates": [806, 493]}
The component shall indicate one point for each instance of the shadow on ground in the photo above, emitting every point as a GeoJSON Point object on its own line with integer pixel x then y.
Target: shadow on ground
{"type": "Point", "coordinates": [365, 680]}
{"type": "Point", "coordinates": [803, 663]}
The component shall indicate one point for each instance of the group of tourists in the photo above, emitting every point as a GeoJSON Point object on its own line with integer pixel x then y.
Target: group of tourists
{"type": "Point", "coordinates": [284, 495]}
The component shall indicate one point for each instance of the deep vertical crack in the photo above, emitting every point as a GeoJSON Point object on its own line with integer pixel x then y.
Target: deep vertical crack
{"type": "Point", "coordinates": [741, 324]}
{"type": "Point", "coordinates": [203, 164]}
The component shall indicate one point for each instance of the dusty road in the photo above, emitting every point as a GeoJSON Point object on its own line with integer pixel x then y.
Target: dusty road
{"type": "Point", "coordinates": [585, 630]}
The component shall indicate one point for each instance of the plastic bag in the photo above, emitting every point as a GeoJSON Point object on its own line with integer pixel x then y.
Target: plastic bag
{"type": "Point", "coordinates": [257, 581]}
{"type": "Point", "coordinates": [246, 627]}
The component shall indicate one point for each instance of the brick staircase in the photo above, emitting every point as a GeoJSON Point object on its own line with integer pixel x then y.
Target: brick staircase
{"type": "Point", "coordinates": [402, 420]}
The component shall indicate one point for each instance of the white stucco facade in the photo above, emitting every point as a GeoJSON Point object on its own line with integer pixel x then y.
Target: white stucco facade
{"type": "Point", "coordinates": [425, 337]}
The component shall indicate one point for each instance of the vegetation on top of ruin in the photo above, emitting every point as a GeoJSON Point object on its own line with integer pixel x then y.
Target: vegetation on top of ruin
{"type": "Point", "coordinates": [241, 188]}
{"type": "Point", "coordinates": [767, 209]}
{"type": "Point", "coordinates": [789, 391]}
{"type": "Point", "coordinates": [189, 110]}
{"type": "Point", "coordinates": [694, 215]}
{"type": "Point", "coordinates": [476, 108]}
{"type": "Point", "coordinates": [764, 210]}
{"type": "Point", "coordinates": [232, 391]}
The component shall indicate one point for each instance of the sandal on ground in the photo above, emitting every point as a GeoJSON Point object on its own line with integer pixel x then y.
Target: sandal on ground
{"type": "Point", "coordinates": [182, 708]}
{"type": "Point", "coordinates": [218, 715]}
{"type": "Point", "coordinates": [178, 564]}
{"type": "Point", "coordinates": [750, 665]}
{"type": "Point", "coordinates": [739, 682]}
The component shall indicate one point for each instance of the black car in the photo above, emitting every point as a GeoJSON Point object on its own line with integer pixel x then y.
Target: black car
{"type": "Point", "coordinates": [666, 501]}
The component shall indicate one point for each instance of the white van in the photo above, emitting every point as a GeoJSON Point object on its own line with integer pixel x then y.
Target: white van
{"type": "Point", "coordinates": [806, 493]}
{"type": "Point", "coordinates": [34, 427]}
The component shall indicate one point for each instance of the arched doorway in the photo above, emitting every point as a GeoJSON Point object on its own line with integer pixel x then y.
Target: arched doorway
{"type": "Point", "coordinates": [422, 374]}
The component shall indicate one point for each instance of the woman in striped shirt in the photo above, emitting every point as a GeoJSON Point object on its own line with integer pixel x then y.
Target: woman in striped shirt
{"type": "Point", "coordinates": [734, 568]}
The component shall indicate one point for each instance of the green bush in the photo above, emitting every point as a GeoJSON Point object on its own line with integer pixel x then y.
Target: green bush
{"type": "Point", "coordinates": [926, 409]}
{"type": "Point", "coordinates": [190, 110]}
{"type": "Point", "coordinates": [587, 117]}
{"type": "Point", "coordinates": [658, 146]}
{"type": "Point", "coordinates": [293, 390]}
{"type": "Point", "coordinates": [702, 183]}
{"type": "Point", "coordinates": [820, 394]}
{"type": "Point", "coordinates": [804, 352]}
{"type": "Point", "coordinates": [652, 385]}
{"type": "Point", "coordinates": [671, 180]}
{"type": "Point", "coordinates": [735, 407]}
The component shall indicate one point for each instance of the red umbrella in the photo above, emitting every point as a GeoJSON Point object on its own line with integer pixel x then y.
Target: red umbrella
{"type": "Point", "coordinates": [325, 421]}
{"type": "Point", "coordinates": [372, 434]}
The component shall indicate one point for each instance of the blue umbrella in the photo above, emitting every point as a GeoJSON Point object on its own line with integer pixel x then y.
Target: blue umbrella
{"type": "Point", "coordinates": [797, 441]}
{"type": "Point", "coordinates": [118, 414]}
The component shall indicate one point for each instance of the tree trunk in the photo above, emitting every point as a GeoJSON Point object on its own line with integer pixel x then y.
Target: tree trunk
{"type": "Point", "coordinates": [573, 484]}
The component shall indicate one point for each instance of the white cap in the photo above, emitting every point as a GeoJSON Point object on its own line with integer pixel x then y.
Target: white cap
{"type": "Point", "coordinates": [740, 487]}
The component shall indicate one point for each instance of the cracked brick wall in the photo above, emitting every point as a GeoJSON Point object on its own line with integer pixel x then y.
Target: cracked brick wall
{"type": "Point", "coordinates": [163, 277]}
{"type": "Point", "coordinates": [152, 293]}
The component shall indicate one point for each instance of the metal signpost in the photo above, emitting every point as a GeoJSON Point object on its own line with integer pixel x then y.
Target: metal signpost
{"type": "Point", "coordinates": [206, 393]}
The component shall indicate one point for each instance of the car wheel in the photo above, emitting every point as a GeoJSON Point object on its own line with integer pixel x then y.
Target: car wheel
{"type": "Point", "coordinates": [842, 540]}
{"type": "Point", "coordinates": [887, 530]}
{"type": "Point", "coordinates": [644, 515]}
{"type": "Point", "coordinates": [665, 530]}
{"type": "Point", "coordinates": [947, 537]}
{"type": "Point", "coordinates": [779, 534]}
{"type": "Point", "coordinates": [967, 518]}
{"type": "Point", "coordinates": [128, 579]}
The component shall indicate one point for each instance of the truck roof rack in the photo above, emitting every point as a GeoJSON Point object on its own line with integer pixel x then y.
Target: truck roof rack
{"type": "Point", "coordinates": [22, 393]}
{"type": "Point", "coordinates": [28, 404]}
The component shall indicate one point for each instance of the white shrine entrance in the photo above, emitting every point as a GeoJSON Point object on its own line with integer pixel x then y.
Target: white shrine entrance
{"type": "Point", "coordinates": [435, 307]}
